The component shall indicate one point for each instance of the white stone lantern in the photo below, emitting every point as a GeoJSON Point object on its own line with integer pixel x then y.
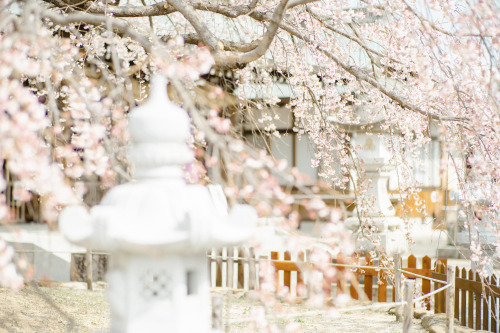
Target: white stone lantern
{"type": "Point", "coordinates": [157, 228]}
{"type": "Point", "coordinates": [479, 233]}
{"type": "Point", "coordinates": [373, 151]}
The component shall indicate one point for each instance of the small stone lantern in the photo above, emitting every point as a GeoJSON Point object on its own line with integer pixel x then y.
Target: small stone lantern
{"type": "Point", "coordinates": [382, 215]}
{"type": "Point", "coordinates": [157, 228]}
{"type": "Point", "coordinates": [373, 151]}
{"type": "Point", "coordinates": [480, 232]}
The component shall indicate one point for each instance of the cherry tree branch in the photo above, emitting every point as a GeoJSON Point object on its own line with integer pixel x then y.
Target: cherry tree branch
{"type": "Point", "coordinates": [163, 8]}
{"type": "Point", "coordinates": [158, 9]}
{"type": "Point", "coordinates": [110, 23]}
{"type": "Point", "coordinates": [358, 73]}
{"type": "Point", "coordinates": [198, 24]}
{"type": "Point", "coordinates": [435, 27]}
{"type": "Point", "coordinates": [252, 51]}
{"type": "Point", "coordinates": [357, 40]}
{"type": "Point", "coordinates": [228, 59]}
{"type": "Point", "coordinates": [194, 39]}
{"type": "Point", "coordinates": [267, 38]}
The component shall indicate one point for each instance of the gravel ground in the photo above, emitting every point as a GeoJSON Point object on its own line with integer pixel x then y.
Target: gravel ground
{"type": "Point", "coordinates": [69, 307]}
{"type": "Point", "coordinates": [244, 316]}
{"type": "Point", "coordinates": [53, 308]}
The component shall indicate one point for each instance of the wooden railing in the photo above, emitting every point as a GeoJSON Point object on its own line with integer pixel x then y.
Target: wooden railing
{"type": "Point", "coordinates": [372, 275]}
{"type": "Point", "coordinates": [476, 299]}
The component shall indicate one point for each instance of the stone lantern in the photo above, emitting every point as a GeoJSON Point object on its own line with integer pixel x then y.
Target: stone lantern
{"type": "Point", "coordinates": [157, 228]}
{"type": "Point", "coordinates": [376, 157]}
{"type": "Point", "coordinates": [373, 151]}
{"type": "Point", "coordinates": [480, 232]}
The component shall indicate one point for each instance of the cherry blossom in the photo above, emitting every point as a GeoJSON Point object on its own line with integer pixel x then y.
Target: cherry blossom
{"type": "Point", "coordinates": [70, 72]}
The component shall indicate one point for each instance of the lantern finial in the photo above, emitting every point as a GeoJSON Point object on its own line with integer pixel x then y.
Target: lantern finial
{"type": "Point", "coordinates": [159, 130]}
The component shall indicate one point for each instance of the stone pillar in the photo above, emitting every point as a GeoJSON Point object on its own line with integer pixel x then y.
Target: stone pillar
{"type": "Point", "coordinates": [157, 228]}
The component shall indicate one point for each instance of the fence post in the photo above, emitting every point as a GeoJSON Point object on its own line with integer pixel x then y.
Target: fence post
{"type": "Point", "coordinates": [88, 268]}
{"type": "Point", "coordinates": [252, 278]}
{"type": "Point", "coordinates": [426, 284]}
{"type": "Point", "coordinates": [230, 268]}
{"type": "Point", "coordinates": [450, 299]}
{"type": "Point", "coordinates": [218, 268]}
{"type": "Point", "coordinates": [408, 308]}
{"type": "Point", "coordinates": [397, 285]}
{"type": "Point", "coordinates": [368, 278]}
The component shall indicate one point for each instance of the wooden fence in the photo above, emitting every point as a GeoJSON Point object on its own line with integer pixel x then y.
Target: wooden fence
{"type": "Point", "coordinates": [239, 268]}
{"type": "Point", "coordinates": [476, 299]}
{"type": "Point", "coordinates": [374, 275]}
{"type": "Point", "coordinates": [234, 268]}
